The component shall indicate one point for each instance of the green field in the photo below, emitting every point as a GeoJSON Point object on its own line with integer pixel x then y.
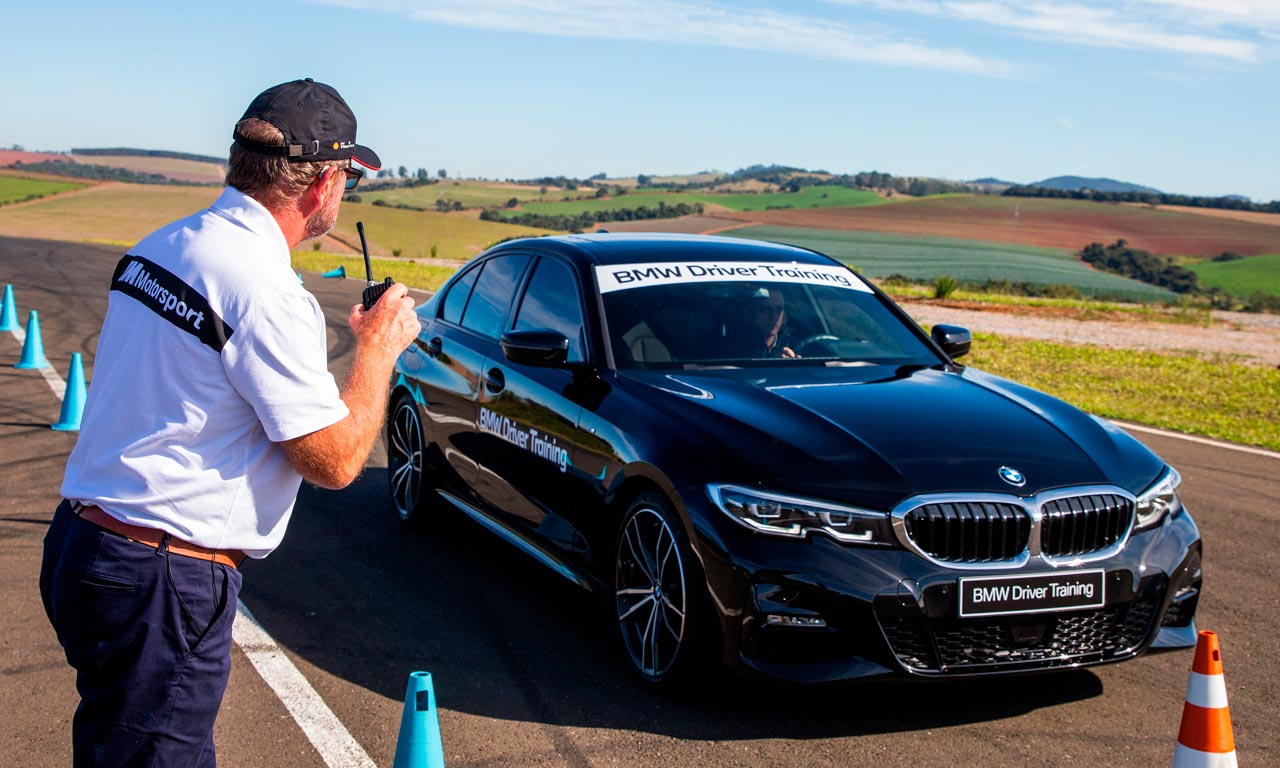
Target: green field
{"type": "Point", "coordinates": [471, 194]}
{"type": "Point", "coordinates": [808, 197]}
{"type": "Point", "coordinates": [877, 255]}
{"type": "Point", "coordinates": [1242, 277]}
{"type": "Point", "coordinates": [456, 236]}
{"type": "Point", "coordinates": [14, 189]}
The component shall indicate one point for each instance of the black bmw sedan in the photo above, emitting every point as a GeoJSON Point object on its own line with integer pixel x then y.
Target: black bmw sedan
{"type": "Point", "coordinates": [761, 459]}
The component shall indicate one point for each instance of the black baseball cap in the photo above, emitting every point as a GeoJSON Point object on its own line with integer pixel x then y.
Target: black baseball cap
{"type": "Point", "coordinates": [317, 124]}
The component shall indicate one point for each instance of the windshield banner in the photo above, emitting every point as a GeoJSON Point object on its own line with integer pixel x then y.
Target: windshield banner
{"type": "Point", "coordinates": [618, 277]}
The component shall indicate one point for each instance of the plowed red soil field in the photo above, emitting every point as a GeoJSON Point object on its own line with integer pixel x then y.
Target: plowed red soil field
{"type": "Point", "coordinates": [11, 156]}
{"type": "Point", "coordinates": [1033, 221]}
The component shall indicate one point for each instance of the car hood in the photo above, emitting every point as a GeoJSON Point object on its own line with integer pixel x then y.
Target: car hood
{"type": "Point", "coordinates": [896, 432]}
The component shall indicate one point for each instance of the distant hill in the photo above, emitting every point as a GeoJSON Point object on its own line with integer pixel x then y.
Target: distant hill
{"type": "Point", "coordinates": [1099, 185]}
{"type": "Point", "coordinates": [993, 181]}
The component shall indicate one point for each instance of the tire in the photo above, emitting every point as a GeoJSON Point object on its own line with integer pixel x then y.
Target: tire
{"type": "Point", "coordinates": [661, 604]}
{"type": "Point", "coordinates": [411, 495]}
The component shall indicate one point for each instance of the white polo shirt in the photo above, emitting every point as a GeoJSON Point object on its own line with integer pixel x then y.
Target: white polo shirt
{"type": "Point", "coordinates": [211, 353]}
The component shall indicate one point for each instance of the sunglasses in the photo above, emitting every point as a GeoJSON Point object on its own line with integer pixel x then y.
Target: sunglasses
{"type": "Point", "coordinates": [354, 175]}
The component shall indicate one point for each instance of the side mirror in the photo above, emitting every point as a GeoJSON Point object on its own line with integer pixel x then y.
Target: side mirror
{"type": "Point", "coordinates": [540, 347]}
{"type": "Point", "coordinates": [953, 339]}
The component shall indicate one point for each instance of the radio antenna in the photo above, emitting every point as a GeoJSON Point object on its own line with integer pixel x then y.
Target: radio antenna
{"type": "Point", "coordinates": [364, 247]}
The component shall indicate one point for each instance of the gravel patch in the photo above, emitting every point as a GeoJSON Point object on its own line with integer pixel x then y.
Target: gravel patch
{"type": "Point", "coordinates": [1252, 339]}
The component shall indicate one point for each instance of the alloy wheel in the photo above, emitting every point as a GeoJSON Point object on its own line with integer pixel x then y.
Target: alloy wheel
{"type": "Point", "coordinates": [651, 593]}
{"type": "Point", "coordinates": [404, 457]}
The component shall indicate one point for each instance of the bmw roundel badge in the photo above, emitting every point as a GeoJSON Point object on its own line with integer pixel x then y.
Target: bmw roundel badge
{"type": "Point", "coordinates": [1013, 476]}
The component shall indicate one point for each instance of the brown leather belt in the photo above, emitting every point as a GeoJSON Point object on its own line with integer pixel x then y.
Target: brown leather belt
{"type": "Point", "coordinates": [154, 538]}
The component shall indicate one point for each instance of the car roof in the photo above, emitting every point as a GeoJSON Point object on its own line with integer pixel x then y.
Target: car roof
{"type": "Point", "coordinates": [608, 248]}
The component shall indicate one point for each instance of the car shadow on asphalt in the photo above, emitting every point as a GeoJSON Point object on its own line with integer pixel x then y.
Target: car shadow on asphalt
{"type": "Point", "coordinates": [367, 600]}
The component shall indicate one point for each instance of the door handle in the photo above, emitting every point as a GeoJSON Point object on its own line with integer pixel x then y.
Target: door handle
{"type": "Point", "coordinates": [494, 381]}
{"type": "Point", "coordinates": [435, 347]}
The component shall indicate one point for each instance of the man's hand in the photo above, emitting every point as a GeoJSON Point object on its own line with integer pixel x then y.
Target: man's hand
{"type": "Point", "coordinates": [389, 325]}
{"type": "Point", "coordinates": [334, 456]}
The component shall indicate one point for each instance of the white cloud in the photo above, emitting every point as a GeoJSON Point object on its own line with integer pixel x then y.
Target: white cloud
{"type": "Point", "coordinates": [1228, 29]}
{"type": "Point", "coordinates": [1262, 16]}
{"type": "Point", "coordinates": [677, 21]}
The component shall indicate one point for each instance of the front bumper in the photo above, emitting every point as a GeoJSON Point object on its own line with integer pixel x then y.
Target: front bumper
{"type": "Point", "coordinates": [843, 612]}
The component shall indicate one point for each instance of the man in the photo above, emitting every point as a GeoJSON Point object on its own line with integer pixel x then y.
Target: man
{"type": "Point", "coordinates": [211, 401]}
{"type": "Point", "coordinates": [761, 333]}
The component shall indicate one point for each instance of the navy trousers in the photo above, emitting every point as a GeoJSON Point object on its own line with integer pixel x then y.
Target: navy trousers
{"type": "Point", "coordinates": [149, 635]}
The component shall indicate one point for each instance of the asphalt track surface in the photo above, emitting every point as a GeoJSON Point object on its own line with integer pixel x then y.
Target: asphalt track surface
{"type": "Point", "coordinates": [526, 669]}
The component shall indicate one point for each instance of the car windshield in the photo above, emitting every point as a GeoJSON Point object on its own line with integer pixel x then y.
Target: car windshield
{"type": "Point", "coordinates": [679, 315]}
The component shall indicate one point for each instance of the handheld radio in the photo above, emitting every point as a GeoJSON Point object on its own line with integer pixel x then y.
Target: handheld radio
{"type": "Point", "coordinates": [373, 291]}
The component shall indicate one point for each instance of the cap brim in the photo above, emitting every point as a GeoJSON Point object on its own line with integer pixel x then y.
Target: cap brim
{"type": "Point", "coordinates": [367, 157]}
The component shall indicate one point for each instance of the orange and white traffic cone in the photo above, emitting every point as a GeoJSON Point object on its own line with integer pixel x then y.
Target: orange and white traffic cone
{"type": "Point", "coordinates": [1205, 739]}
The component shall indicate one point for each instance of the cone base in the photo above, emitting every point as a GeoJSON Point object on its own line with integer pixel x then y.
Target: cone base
{"type": "Point", "coordinates": [65, 427]}
{"type": "Point", "coordinates": [32, 366]}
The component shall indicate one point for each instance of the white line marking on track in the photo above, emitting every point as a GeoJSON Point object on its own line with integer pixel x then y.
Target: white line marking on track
{"type": "Point", "coordinates": [326, 732]}
{"type": "Point", "coordinates": [1195, 439]}
{"type": "Point", "coordinates": [337, 747]}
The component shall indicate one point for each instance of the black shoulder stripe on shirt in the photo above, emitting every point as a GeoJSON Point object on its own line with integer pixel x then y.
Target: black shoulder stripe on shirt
{"type": "Point", "coordinates": [164, 293]}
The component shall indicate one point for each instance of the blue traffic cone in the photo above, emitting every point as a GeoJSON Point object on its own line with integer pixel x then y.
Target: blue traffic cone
{"type": "Point", "coordinates": [8, 312]}
{"type": "Point", "coordinates": [419, 743]}
{"type": "Point", "coordinates": [33, 347]}
{"type": "Point", "coordinates": [339, 272]}
{"type": "Point", "coordinates": [300, 274]}
{"type": "Point", "coordinates": [73, 398]}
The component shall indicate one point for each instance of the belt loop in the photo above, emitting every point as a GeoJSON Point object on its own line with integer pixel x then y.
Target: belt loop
{"type": "Point", "coordinates": [76, 507]}
{"type": "Point", "coordinates": [163, 547]}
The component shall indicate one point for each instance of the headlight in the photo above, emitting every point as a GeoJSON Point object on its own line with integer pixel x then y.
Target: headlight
{"type": "Point", "coordinates": [781, 515]}
{"type": "Point", "coordinates": [1159, 500]}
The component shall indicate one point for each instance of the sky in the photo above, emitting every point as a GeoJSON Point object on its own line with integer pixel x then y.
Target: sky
{"type": "Point", "coordinates": [1180, 95]}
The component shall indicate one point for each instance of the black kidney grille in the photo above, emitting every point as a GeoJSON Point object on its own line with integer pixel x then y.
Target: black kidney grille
{"type": "Point", "coordinates": [969, 532]}
{"type": "Point", "coordinates": [1078, 525]}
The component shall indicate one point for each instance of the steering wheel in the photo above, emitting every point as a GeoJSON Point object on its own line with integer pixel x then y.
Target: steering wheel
{"type": "Point", "coordinates": [817, 345]}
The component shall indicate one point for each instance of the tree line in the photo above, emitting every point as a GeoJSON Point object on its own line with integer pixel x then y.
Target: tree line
{"type": "Point", "coordinates": [127, 152]}
{"type": "Point", "coordinates": [791, 179]}
{"type": "Point", "coordinates": [101, 173]}
{"type": "Point", "coordinates": [1149, 198]}
{"type": "Point", "coordinates": [587, 219]}
{"type": "Point", "coordinates": [1121, 259]}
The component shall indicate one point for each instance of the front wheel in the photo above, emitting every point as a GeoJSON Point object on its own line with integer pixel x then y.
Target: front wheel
{"type": "Point", "coordinates": [662, 607]}
{"type": "Point", "coordinates": [406, 461]}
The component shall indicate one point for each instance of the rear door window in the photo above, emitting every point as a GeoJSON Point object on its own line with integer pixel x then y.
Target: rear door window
{"type": "Point", "coordinates": [486, 311]}
{"type": "Point", "coordinates": [455, 301]}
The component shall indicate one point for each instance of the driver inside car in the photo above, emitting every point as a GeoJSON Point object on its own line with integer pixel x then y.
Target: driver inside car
{"type": "Point", "coordinates": [761, 332]}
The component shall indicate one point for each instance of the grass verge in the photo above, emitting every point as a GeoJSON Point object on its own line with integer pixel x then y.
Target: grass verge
{"type": "Point", "coordinates": [1182, 392]}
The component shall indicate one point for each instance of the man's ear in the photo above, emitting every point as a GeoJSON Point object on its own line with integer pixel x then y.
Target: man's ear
{"type": "Point", "coordinates": [317, 192]}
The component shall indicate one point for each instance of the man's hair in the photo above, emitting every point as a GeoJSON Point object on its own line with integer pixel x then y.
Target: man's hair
{"type": "Point", "coordinates": [271, 180]}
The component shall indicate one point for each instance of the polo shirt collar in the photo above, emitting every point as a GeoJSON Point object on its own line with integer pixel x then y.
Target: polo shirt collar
{"type": "Point", "coordinates": [246, 212]}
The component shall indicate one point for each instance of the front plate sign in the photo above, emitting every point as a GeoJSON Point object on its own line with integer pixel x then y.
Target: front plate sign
{"type": "Point", "coordinates": [1037, 593]}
